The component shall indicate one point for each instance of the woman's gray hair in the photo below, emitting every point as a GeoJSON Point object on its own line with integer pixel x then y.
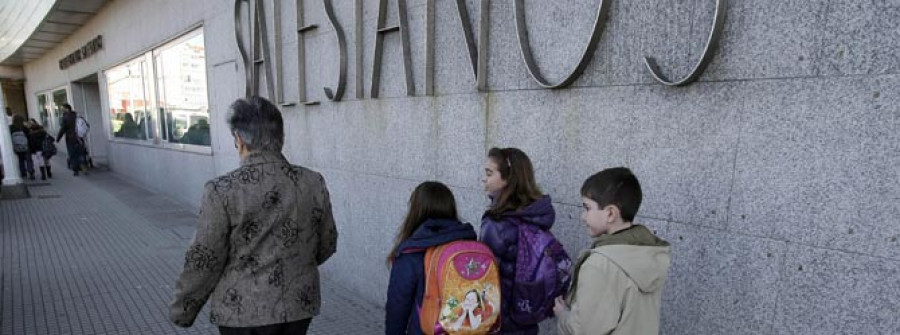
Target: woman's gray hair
{"type": "Point", "coordinates": [259, 123]}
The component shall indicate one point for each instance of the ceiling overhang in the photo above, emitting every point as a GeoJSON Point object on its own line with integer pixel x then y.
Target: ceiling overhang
{"type": "Point", "coordinates": [30, 29]}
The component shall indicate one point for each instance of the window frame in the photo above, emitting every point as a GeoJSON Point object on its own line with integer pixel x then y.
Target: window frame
{"type": "Point", "coordinates": [151, 104]}
{"type": "Point", "coordinates": [154, 53]}
{"type": "Point", "coordinates": [152, 91]}
{"type": "Point", "coordinates": [53, 119]}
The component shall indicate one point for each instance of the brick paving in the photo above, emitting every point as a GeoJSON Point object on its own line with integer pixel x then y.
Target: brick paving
{"type": "Point", "coordinates": [99, 255]}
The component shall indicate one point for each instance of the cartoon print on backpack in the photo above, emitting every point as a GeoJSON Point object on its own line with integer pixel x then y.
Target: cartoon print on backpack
{"type": "Point", "coordinates": [476, 307]}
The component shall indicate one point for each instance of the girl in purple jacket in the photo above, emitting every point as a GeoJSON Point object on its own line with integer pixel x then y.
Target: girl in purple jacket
{"type": "Point", "coordinates": [515, 199]}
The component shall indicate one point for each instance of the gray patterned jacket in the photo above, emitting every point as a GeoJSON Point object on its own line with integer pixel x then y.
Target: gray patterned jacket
{"type": "Point", "coordinates": [263, 230]}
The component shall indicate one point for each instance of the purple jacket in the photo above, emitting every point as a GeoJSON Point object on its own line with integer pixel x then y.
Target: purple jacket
{"type": "Point", "coordinates": [502, 236]}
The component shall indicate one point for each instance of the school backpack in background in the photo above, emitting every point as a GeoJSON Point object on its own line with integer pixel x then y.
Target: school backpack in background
{"type": "Point", "coordinates": [20, 141]}
{"type": "Point", "coordinates": [81, 127]}
{"type": "Point", "coordinates": [543, 272]}
{"type": "Point", "coordinates": [49, 146]}
{"type": "Point", "coordinates": [462, 290]}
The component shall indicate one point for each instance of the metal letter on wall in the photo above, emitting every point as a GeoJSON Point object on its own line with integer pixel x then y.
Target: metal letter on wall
{"type": "Point", "coordinates": [525, 46]}
{"type": "Point", "coordinates": [261, 55]}
{"type": "Point", "coordinates": [477, 55]}
{"type": "Point", "coordinates": [379, 43]}
{"type": "Point", "coordinates": [301, 54]}
{"type": "Point", "coordinates": [711, 44]}
{"type": "Point", "coordinates": [358, 17]}
{"type": "Point", "coordinates": [238, 34]}
{"type": "Point", "coordinates": [342, 45]}
{"type": "Point", "coordinates": [279, 68]}
{"type": "Point", "coordinates": [429, 47]}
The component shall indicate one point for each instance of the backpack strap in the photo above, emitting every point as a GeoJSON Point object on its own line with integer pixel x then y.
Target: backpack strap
{"type": "Point", "coordinates": [431, 300]}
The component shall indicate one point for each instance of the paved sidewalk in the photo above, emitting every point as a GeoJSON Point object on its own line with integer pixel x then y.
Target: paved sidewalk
{"type": "Point", "coordinates": [97, 255]}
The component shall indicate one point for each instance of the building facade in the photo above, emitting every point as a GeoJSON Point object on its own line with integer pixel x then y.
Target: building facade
{"type": "Point", "coordinates": [775, 175]}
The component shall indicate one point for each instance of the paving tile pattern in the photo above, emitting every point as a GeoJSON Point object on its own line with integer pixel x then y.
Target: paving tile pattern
{"type": "Point", "coordinates": [98, 255]}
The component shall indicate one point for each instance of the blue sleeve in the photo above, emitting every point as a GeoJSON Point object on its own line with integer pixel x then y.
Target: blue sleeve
{"type": "Point", "coordinates": [401, 295]}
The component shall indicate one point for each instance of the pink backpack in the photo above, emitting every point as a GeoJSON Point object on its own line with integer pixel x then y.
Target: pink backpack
{"type": "Point", "coordinates": [462, 290]}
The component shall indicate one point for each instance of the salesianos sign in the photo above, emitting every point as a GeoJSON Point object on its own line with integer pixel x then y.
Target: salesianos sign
{"type": "Point", "coordinates": [260, 57]}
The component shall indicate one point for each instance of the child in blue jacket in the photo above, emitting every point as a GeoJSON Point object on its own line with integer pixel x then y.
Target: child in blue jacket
{"type": "Point", "coordinates": [431, 221]}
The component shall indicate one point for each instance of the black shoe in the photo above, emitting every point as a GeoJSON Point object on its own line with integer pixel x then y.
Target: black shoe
{"type": "Point", "coordinates": [76, 173]}
{"type": "Point", "coordinates": [31, 175]}
{"type": "Point", "coordinates": [43, 173]}
{"type": "Point", "coordinates": [49, 174]}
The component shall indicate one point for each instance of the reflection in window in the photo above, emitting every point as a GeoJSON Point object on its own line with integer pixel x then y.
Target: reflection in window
{"type": "Point", "coordinates": [181, 84]}
{"type": "Point", "coordinates": [60, 97]}
{"type": "Point", "coordinates": [44, 111]}
{"type": "Point", "coordinates": [129, 107]}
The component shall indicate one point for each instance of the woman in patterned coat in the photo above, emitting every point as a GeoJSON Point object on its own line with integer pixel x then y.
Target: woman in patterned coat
{"type": "Point", "coordinates": [264, 229]}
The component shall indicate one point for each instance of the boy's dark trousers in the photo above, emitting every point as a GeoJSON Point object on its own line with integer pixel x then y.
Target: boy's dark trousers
{"type": "Point", "coordinates": [291, 328]}
{"type": "Point", "coordinates": [75, 156]}
{"type": "Point", "coordinates": [26, 165]}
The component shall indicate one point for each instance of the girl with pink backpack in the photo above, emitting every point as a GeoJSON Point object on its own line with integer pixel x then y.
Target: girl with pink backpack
{"type": "Point", "coordinates": [431, 222]}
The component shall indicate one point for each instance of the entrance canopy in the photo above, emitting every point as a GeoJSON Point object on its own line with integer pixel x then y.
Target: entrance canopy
{"type": "Point", "coordinates": [28, 29]}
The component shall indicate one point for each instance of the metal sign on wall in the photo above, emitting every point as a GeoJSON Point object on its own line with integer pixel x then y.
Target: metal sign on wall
{"type": "Point", "coordinates": [260, 57]}
{"type": "Point", "coordinates": [89, 49]}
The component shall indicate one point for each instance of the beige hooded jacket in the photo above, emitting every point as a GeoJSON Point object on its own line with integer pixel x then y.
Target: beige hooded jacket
{"type": "Point", "coordinates": [619, 286]}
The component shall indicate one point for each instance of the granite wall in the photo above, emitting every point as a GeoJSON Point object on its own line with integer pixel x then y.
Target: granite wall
{"type": "Point", "coordinates": [775, 176]}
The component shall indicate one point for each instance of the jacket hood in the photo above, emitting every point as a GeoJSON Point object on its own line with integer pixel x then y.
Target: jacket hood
{"type": "Point", "coordinates": [644, 257]}
{"type": "Point", "coordinates": [539, 213]}
{"type": "Point", "coordinates": [436, 232]}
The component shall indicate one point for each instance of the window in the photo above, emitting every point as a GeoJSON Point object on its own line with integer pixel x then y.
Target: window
{"type": "Point", "coordinates": [43, 110]}
{"type": "Point", "coordinates": [60, 97]}
{"type": "Point", "coordinates": [161, 96]}
{"type": "Point", "coordinates": [129, 106]}
{"type": "Point", "coordinates": [50, 108]}
{"type": "Point", "coordinates": [181, 91]}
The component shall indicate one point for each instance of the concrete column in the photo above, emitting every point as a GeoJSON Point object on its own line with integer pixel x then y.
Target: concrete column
{"type": "Point", "coordinates": [10, 162]}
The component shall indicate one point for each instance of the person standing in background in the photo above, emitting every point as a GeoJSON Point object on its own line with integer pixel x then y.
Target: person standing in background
{"type": "Point", "coordinates": [74, 144]}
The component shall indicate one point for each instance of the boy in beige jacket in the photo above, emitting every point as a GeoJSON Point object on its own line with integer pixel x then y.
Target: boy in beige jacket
{"type": "Point", "coordinates": [618, 283]}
